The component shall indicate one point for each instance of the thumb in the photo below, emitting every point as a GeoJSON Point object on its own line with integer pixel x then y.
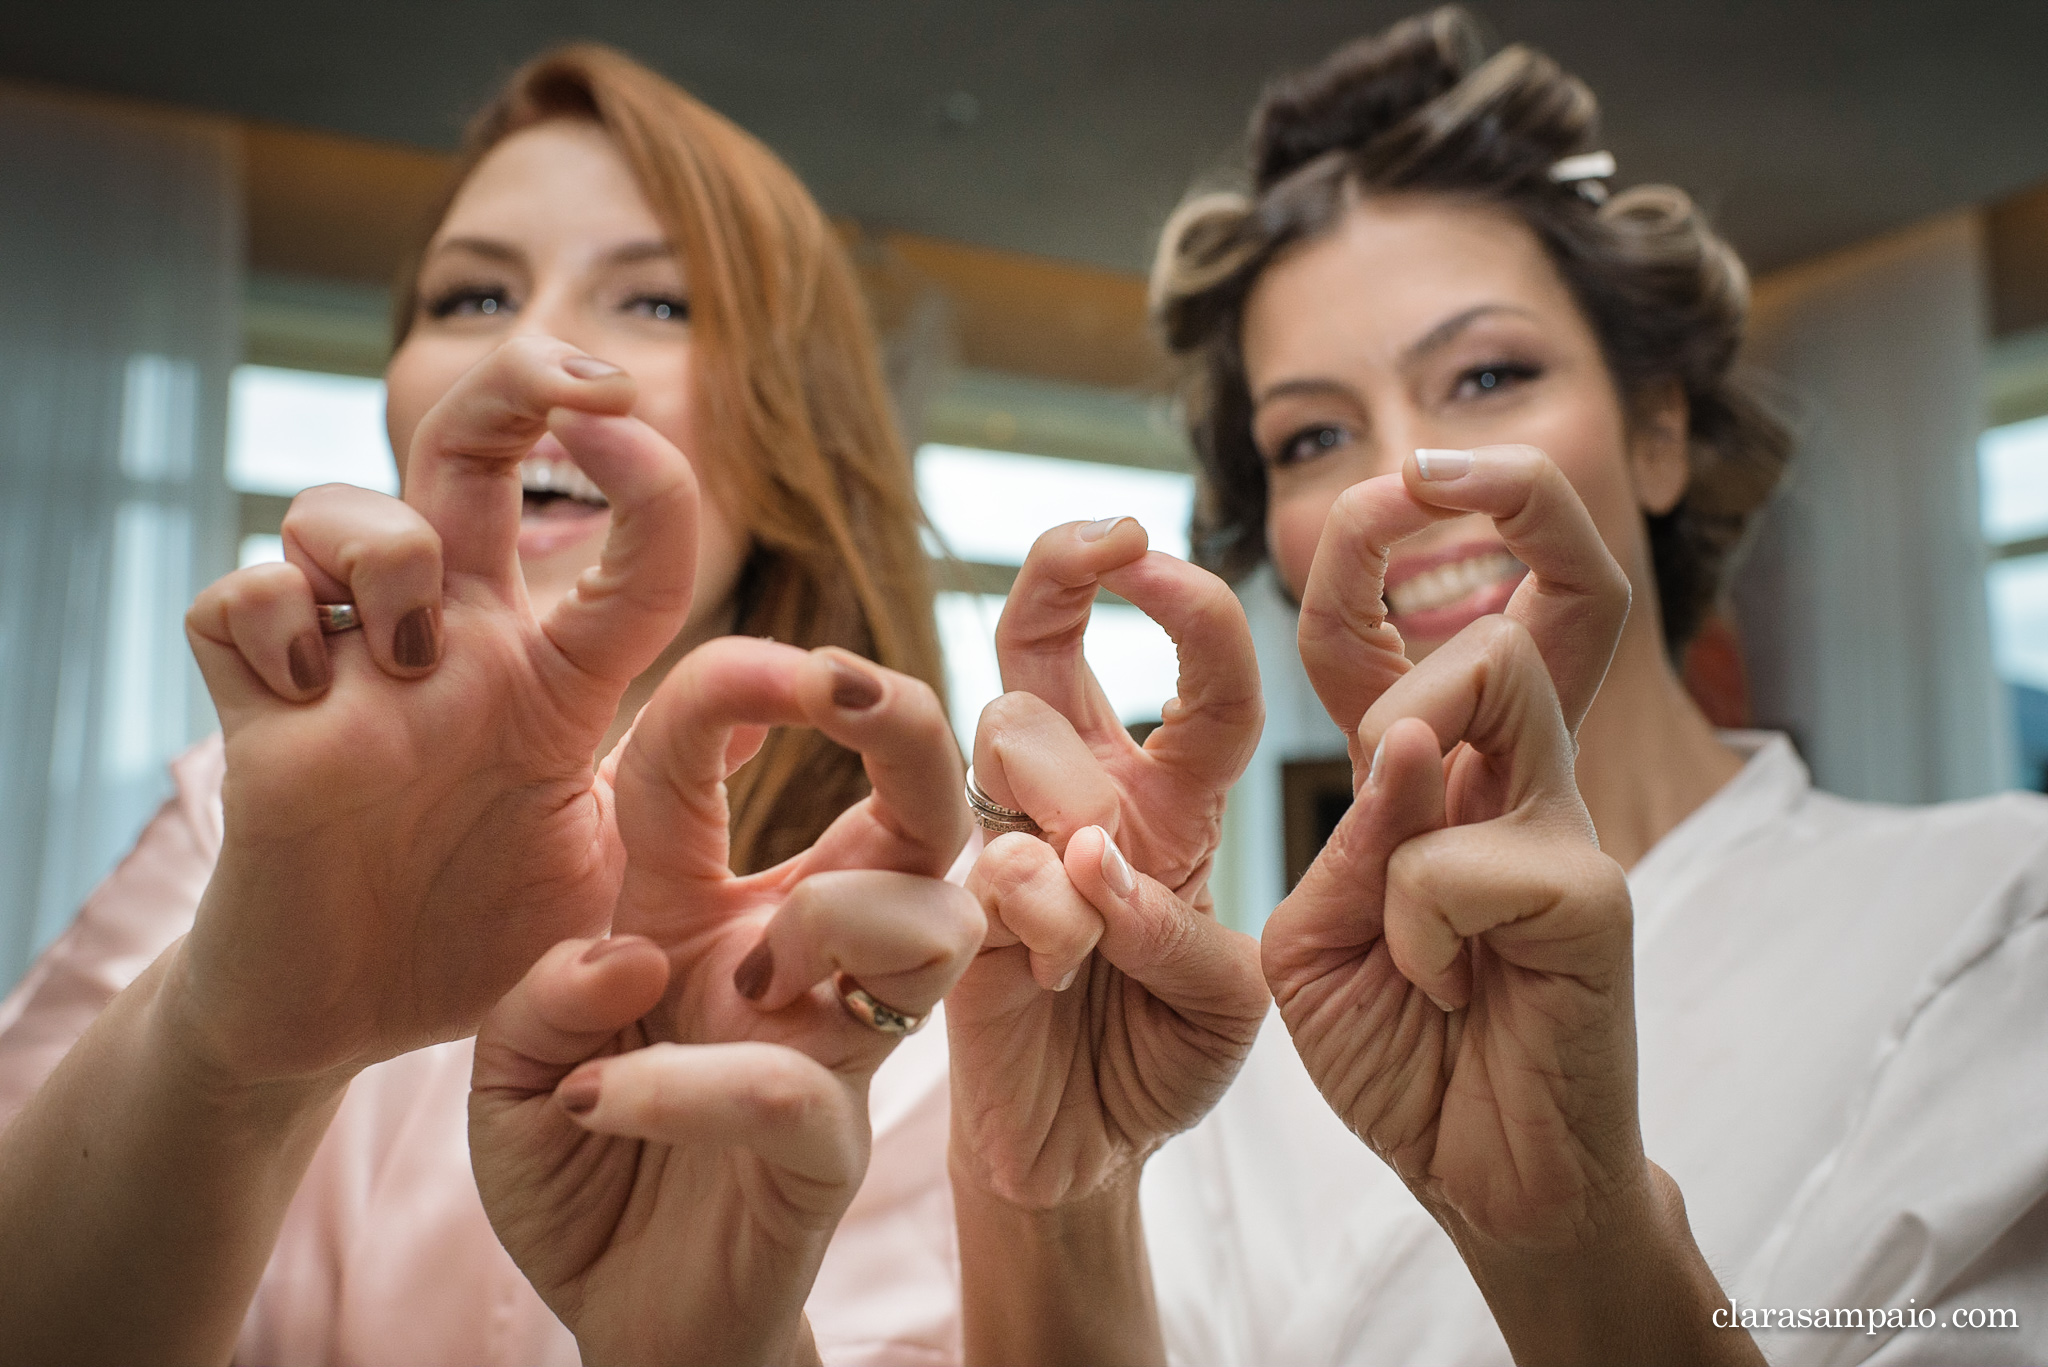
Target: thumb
{"type": "Point", "coordinates": [570, 1005]}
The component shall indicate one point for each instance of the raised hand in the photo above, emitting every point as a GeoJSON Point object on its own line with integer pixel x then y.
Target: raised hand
{"type": "Point", "coordinates": [1108, 1009]}
{"type": "Point", "coordinates": [667, 1125]}
{"type": "Point", "coordinates": [1455, 967]}
{"type": "Point", "coordinates": [412, 811]}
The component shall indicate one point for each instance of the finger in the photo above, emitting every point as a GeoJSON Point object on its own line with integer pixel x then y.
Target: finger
{"type": "Point", "coordinates": [1555, 908]}
{"type": "Point", "coordinates": [463, 470]}
{"type": "Point", "coordinates": [1038, 637]}
{"type": "Point", "coordinates": [903, 938]}
{"type": "Point", "coordinates": [1210, 727]}
{"type": "Point", "coordinates": [625, 610]}
{"type": "Point", "coordinates": [1351, 653]}
{"type": "Point", "coordinates": [671, 776]}
{"type": "Point", "coordinates": [254, 635]}
{"type": "Point", "coordinates": [1185, 959]}
{"type": "Point", "coordinates": [569, 1005]}
{"type": "Point", "coordinates": [1337, 909]}
{"type": "Point", "coordinates": [1575, 597]}
{"type": "Point", "coordinates": [787, 1108]}
{"type": "Point", "coordinates": [1488, 687]}
{"type": "Point", "coordinates": [1029, 758]}
{"type": "Point", "coordinates": [1025, 894]}
{"type": "Point", "coordinates": [362, 547]}
{"type": "Point", "coordinates": [915, 820]}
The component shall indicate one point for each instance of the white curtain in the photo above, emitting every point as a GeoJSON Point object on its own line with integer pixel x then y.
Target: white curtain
{"type": "Point", "coordinates": [120, 262]}
{"type": "Point", "coordinates": [1862, 603]}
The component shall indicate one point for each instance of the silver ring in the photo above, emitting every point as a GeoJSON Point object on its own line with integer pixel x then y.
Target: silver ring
{"type": "Point", "coordinates": [993, 816]}
{"type": "Point", "coordinates": [876, 1016]}
{"type": "Point", "coordinates": [337, 617]}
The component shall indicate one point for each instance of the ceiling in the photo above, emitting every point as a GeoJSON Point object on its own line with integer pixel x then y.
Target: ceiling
{"type": "Point", "coordinates": [1071, 129]}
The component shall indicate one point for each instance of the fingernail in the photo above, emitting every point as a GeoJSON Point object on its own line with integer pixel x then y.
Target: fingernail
{"type": "Point", "coordinates": [1115, 871]}
{"type": "Point", "coordinates": [854, 690]}
{"type": "Point", "coordinates": [1434, 463]}
{"type": "Point", "coordinates": [1379, 755]}
{"type": "Point", "coordinates": [308, 660]}
{"type": "Point", "coordinates": [578, 1092]}
{"type": "Point", "coordinates": [600, 950]}
{"type": "Point", "coordinates": [1064, 983]}
{"type": "Point", "coordinates": [589, 367]}
{"type": "Point", "coordinates": [755, 972]}
{"type": "Point", "coordinates": [416, 643]}
{"type": "Point", "coordinates": [1095, 531]}
{"type": "Point", "coordinates": [1441, 1004]}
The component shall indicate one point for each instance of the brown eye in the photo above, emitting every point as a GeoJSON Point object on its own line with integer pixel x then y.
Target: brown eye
{"type": "Point", "coordinates": [665, 308]}
{"type": "Point", "coordinates": [1481, 381]}
{"type": "Point", "coordinates": [469, 301]}
{"type": "Point", "coordinates": [1311, 442]}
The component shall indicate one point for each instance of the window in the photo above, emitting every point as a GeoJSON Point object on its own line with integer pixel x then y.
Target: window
{"type": "Point", "coordinates": [289, 430]}
{"type": "Point", "coordinates": [2013, 479]}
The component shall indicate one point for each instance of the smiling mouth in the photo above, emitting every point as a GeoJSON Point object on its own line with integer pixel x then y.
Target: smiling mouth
{"type": "Point", "coordinates": [1445, 586]}
{"type": "Point", "coordinates": [557, 489]}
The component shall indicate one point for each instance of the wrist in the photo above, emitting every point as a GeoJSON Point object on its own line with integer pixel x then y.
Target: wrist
{"type": "Point", "coordinates": [193, 1042]}
{"type": "Point", "coordinates": [1633, 1286]}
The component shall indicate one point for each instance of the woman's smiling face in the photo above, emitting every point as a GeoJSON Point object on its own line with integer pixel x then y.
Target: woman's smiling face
{"type": "Point", "coordinates": [551, 235]}
{"type": "Point", "coordinates": [1421, 321]}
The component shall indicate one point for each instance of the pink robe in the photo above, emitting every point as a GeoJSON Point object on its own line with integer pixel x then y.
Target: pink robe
{"type": "Point", "coordinates": [386, 1256]}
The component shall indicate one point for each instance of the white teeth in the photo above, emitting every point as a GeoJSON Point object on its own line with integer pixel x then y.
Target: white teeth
{"type": "Point", "coordinates": [1446, 584]}
{"type": "Point", "coordinates": [556, 477]}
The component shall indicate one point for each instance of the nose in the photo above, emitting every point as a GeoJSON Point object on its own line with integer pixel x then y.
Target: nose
{"type": "Point", "coordinates": [553, 310]}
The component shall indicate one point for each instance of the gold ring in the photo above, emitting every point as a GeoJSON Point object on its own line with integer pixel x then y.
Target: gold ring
{"type": "Point", "coordinates": [337, 617]}
{"type": "Point", "coordinates": [993, 816]}
{"type": "Point", "coordinates": [876, 1016]}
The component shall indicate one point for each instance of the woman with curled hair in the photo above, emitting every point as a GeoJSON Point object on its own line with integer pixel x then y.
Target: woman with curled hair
{"type": "Point", "coordinates": [1573, 951]}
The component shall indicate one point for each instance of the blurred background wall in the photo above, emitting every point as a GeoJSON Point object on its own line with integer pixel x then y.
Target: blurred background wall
{"type": "Point", "coordinates": [202, 208]}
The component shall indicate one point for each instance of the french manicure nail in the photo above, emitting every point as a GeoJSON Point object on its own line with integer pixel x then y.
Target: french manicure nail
{"type": "Point", "coordinates": [1064, 983]}
{"type": "Point", "coordinates": [1434, 463]}
{"type": "Point", "coordinates": [1379, 753]}
{"type": "Point", "coordinates": [1440, 1004]}
{"type": "Point", "coordinates": [599, 950]}
{"type": "Point", "coordinates": [416, 641]}
{"type": "Point", "coordinates": [755, 972]}
{"type": "Point", "coordinates": [307, 658]}
{"type": "Point", "coordinates": [1115, 871]}
{"type": "Point", "coordinates": [589, 367]}
{"type": "Point", "coordinates": [579, 1091]}
{"type": "Point", "coordinates": [1095, 531]}
{"type": "Point", "coordinates": [854, 690]}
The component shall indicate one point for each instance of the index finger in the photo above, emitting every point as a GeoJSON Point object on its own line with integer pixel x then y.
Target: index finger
{"type": "Point", "coordinates": [915, 820]}
{"type": "Point", "coordinates": [462, 472]}
{"type": "Point", "coordinates": [1038, 637]}
{"type": "Point", "coordinates": [1575, 597]}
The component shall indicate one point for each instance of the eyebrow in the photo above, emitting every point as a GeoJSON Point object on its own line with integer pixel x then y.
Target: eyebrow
{"type": "Point", "coordinates": [1447, 331]}
{"type": "Point", "coordinates": [648, 249]}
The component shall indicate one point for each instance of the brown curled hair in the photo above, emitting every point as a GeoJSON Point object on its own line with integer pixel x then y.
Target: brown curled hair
{"type": "Point", "coordinates": [1422, 107]}
{"type": "Point", "coordinates": [788, 373]}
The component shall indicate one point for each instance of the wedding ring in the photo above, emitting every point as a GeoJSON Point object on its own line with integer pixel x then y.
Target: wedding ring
{"type": "Point", "coordinates": [337, 617]}
{"type": "Point", "coordinates": [993, 816]}
{"type": "Point", "coordinates": [880, 1018]}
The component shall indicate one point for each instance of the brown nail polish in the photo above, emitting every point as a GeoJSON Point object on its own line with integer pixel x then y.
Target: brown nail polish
{"type": "Point", "coordinates": [755, 972]}
{"type": "Point", "coordinates": [578, 1092]}
{"type": "Point", "coordinates": [416, 643]}
{"type": "Point", "coordinates": [307, 658]}
{"type": "Point", "coordinates": [600, 950]}
{"type": "Point", "coordinates": [854, 690]}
